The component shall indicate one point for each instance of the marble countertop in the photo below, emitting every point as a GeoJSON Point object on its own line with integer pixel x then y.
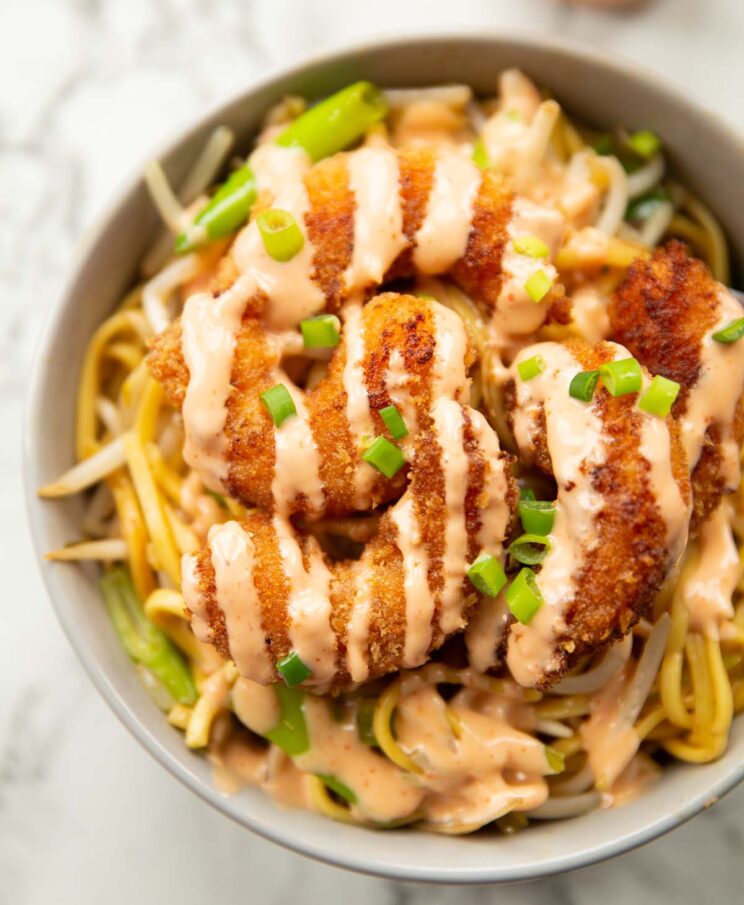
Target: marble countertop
{"type": "Point", "coordinates": [89, 86]}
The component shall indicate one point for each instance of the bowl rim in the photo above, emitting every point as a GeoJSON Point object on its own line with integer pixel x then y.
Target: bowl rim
{"type": "Point", "coordinates": [35, 509]}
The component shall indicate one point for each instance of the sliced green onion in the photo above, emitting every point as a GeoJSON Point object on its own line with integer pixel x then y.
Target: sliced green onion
{"type": "Point", "coordinates": [531, 367]}
{"type": "Point", "coordinates": [321, 332]}
{"type": "Point", "coordinates": [290, 734]}
{"type": "Point", "coordinates": [336, 122]}
{"type": "Point", "coordinates": [659, 397]}
{"type": "Point", "coordinates": [643, 206]}
{"type": "Point", "coordinates": [365, 714]}
{"type": "Point", "coordinates": [622, 377]}
{"type": "Point", "coordinates": [538, 285]}
{"type": "Point", "coordinates": [537, 516]}
{"type": "Point", "coordinates": [335, 785]}
{"type": "Point", "coordinates": [480, 155]}
{"type": "Point", "coordinates": [532, 246]}
{"type": "Point", "coordinates": [385, 456]}
{"type": "Point", "coordinates": [279, 403]}
{"type": "Point", "coordinates": [487, 575]}
{"type": "Point", "coordinates": [530, 549]}
{"type": "Point", "coordinates": [142, 640]}
{"type": "Point", "coordinates": [583, 385]}
{"type": "Point", "coordinates": [526, 493]}
{"type": "Point", "coordinates": [293, 670]}
{"type": "Point", "coordinates": [604, 144]}
{"type": "Point", "coordinates": [281, 235]}
{"type": "Point", "coordinates": [523, 596]}
{"type": "Point", "coordinates": [394, 422]}
{"type": "Point", "coordinates": [731, 332]}
{"type": "Point", "coordinates": [227, 210]}
{"type": "Point", "coordinates": [217, 497]}
{"type": "Point", "coordinates": [556, 759]}
{"type": "Point", "coordinates": [645, 143]}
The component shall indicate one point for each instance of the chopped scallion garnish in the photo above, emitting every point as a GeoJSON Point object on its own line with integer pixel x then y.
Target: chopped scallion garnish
{"type": "Point", "coordinates": [321, 332]}
{"type": "Point", "coordinates": [537, 516]}
{"type": "Point", "coordinates": [290, 734]}
{"type": "Point", "coordinates": [622, 377]}
{"type": "Point", "coordinates": [279, 403]}
{"type": "Point", "coordinates": [645, 143]}
{"type": "Point", "coordinates": [480, 155]}
{"type": "Point", "coordinates": [583, 385]}
{"type": "Point", "coordinates": [538, 285]}
{"type": "Point", "coordinates": [523, 596]}
{"type": "Point", "coordinates": [731, 332]}
{"type": "Point", "coordinates": [532, 246]}
{"type": "Point", "coordinates": [530, 549]}
{"type": "Point", "coordinates": [659, 397]}
{"type": "Point", "coordinates": [385, 456]}
{"type": "Point", "coordinates": [487, 575]}
{"type": "Point", "coordinates": [531, 367]}
{"type": "Point", "coordinates": [293, 670]}
{"type": "Point", "coordinates": [281, 235]}
{"type": "Point", "coordinates": [526, 493]}
{"type": "Point", "coordinates": [335, 785]}
{"type": "Point", "coordinates": [227, 210]}
{"type": "Point", "coordinates": [394, 422]}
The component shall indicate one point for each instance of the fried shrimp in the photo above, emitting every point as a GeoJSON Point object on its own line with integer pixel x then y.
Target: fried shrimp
{"type": "Point", "coordinates": [261, 592]}
{"type": "Point", "coordinates": [622, 510]}
{"type": "Point", "coordinates": [398, 350]}
{"type": "Point", "coordinates": [666, 312]}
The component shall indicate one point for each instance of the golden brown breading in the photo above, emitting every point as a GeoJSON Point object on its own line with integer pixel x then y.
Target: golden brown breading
{"type": "Point", "coordinates": [392, 322]}
{"type": "Point", "coordinates": [661, 312]}
{"type": "Point", "coordinates": [617, 583]}
{"type": "Point", "coordinates": [381, 565]}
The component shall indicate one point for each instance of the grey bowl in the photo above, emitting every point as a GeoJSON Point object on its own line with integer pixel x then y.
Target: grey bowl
{"type": "Point", "coordinates": [705, 153]}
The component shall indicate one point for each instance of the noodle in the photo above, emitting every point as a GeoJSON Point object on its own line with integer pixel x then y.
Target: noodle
{"type": "Point", "coordinates": [679, 689]}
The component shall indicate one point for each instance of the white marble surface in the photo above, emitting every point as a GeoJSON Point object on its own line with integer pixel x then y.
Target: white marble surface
{"type": "Point", "coordinates": [88, 87]}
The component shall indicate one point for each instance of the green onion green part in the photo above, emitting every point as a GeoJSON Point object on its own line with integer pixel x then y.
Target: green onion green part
{"type": "Point", "coordinates": [394, 422]}
{"type": "Point", "coordinates": [480, 155]}
{"type": "Point", "coordinates": [731, 332]}
{"type": "Point", "coordinates": [293, 670]}
{"type": "Point", "coordinates": [523, 596]}
{"type": "Point", "coordinates": [659, 397]}
{"type": "Point", "coordinates": [531, 367]}
{"type": "Point", "coordinates": [531, 246]}
{"type": "Point", "coordinates": [604, 144]}
{"type": "Point", "coordinates": [487, 575]}
{"type": "Point", "coordinates": [142, 640]}
{"type": "Point", "coordinates": [537, 516]}
{"type": "Point", "coordinates": [583, 385]}
{"type": "Point", "coordinates": [538, 285]}
{"type": "Point", "coordinates": [227, 210]}
{"type": "Point", "coordinates": [622, 377]}
{"type": "Point", "coordinates": [556, 759]}
{"type": "Point", "coordinates": [279, 403]}
{"type": "Point", "coordinates": [365, 713]}
{"type": "Point", "coordinates": [290, 734]}
{"type": "Point", "coordinates": [321, 332]}
{"type": "Point", "coordinates": [336, 122]}
{"type": "Point", "coordinates": [335, 785]}
{"type": "Point", "coordinates": [645, 143]}
{"type": "Point", "coordinates": [385, 456]}
{"type": "Point", "coordinates": [530, 549]}
{"type": "Point", "coordinates": [643, 206]}
{"type": "Point", "coordinates": [281, 235]}
{"type": "Point", "coordinates": [526, 493]}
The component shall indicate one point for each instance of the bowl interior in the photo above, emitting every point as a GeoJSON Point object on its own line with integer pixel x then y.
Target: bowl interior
{"type": "Point", "coordinates": [705, 154]}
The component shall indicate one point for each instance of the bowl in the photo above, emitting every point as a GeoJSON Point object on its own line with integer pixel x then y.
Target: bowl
{"type": "Point", "coordinates": [706, 154]}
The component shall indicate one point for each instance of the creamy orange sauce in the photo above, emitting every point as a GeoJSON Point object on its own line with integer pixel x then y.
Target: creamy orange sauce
{"type": "Point", "coordinates": [194, 599]}
{"type": "Point", "coordinates": [609, 742]}
{"type": "Point", "coordinates": [443, 236]}
{"type": "Point", "coordinates": [516, 312]}
{"type": "Point", "coordinates": [232, 553]}
{"type": "Point", "coordinates": [709, 590]}
{"type": "Point", "coordinates": [357, 630]}
{"type": "Point", "coordinates": [480, 771]}
{"type": "Point", "coordinates": [712, 401]}
{"type": "Point", "coordinates": [419, 599]}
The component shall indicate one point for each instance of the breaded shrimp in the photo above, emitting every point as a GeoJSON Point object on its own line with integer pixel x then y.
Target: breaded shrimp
{"type": "Point", "coordinates": [398, 349]}
{"type": "Point", "coordinates": [665, 313]}
{"type": "Point", "coordinates": [259, 591]}
{"type": "Point", "coordinates": [622, 511]}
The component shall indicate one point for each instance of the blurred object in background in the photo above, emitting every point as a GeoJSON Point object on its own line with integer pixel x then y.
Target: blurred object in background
{"type": "Point", "coordinates": [608, 4]}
